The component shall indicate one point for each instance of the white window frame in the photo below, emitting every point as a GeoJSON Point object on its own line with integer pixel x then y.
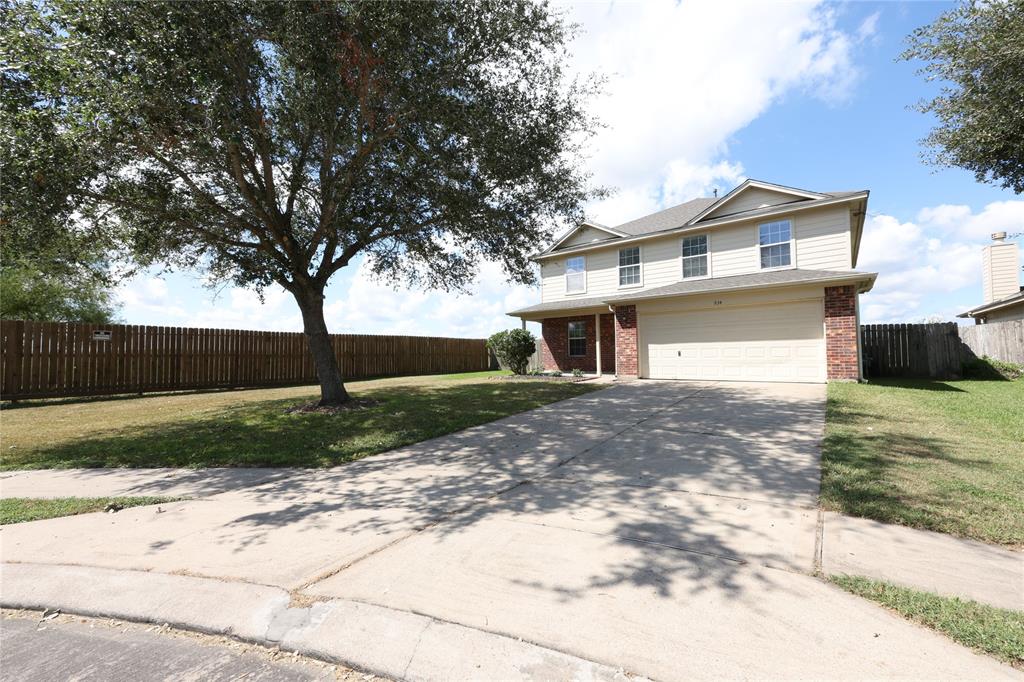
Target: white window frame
{"type": "Point", "coordinates": [569, 292]}
{"type": "Point", "coordinates": [792, 244]}
{"type": "Point", "coordinates": [639, 265]}
{"type": "Point", "coordinates": [706, 254]}
{"type": "Point", "coordinates": [569, 339]}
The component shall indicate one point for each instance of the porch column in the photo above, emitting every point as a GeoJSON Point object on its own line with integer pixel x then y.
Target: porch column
{"type": "Point", "coordinates": [597, 340]}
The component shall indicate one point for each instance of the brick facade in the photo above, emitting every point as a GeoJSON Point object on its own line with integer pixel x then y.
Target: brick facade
{"type": "Point", "coordinates": [841, 333]}
{"type": "Point", "coordinates": [627, 357]}
{"type": "Point", "coordinates": [554, 346]}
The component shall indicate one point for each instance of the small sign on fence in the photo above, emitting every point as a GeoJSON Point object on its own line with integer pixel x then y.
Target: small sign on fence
{"type": "Point", "coordinates": [102, 335]}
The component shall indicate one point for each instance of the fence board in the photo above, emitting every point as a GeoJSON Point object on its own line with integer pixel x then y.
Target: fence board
{"type": "Point", "coordinates": [60, 359]}
{"type": "Point", "coordinates": [912, 350]}
{"type": "Point", "coordinates": [999, 340]}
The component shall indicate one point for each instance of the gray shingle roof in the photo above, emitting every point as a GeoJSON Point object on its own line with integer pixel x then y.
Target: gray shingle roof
{"type": "Point", "coordinates": [1012, 299]}
{"type": "Point", "coordinates": [677, 216]}
{"type": "Point", "coordinates": [707, 286]}
{"type": "Point", "coordinates": [566, 304]}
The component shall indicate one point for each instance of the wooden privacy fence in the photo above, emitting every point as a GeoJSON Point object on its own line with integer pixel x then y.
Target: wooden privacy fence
{"type": "Point", "coordinates": [48, 359]}
{"type": "Point", "coordinates": [912, 350]}
{"type": "Point", "coordinates": [1000, 340]}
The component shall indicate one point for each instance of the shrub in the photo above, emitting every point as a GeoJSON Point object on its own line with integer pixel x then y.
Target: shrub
{"type": "Point", "coordinates": [513, 348]}
{"type": "Point", "coordinates": [577, 372]}
{"type": "Point", "coordinates": [990, 368]}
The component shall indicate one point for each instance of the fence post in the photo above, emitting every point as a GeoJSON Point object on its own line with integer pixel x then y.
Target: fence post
{"type": "Point", "coordinates": [16, 350]}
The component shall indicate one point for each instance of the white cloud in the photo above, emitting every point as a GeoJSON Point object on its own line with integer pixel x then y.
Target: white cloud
{"type": "Point", "coordinates": [372, 306]}
{"type": "Point", "coordinates": [701, 72]}
{"type": "Point", "coordinates": [146, 295]}
{"type": "Point", "coordinates": [959, 221]}
{"type": "Point", "coordinates": [930, 267]}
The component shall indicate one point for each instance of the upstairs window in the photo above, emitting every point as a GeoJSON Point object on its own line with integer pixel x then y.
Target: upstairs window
{"type": "Point", "coordinates": [695, 256]}
{"type": "Point", "coordinates": [775, 244]}
{"type": "Point", "coordinates": [575, 275]}
{"type": "Point", "coordinates": [577, 339]}
{"type": "Point", "coordinates": [629, 266]}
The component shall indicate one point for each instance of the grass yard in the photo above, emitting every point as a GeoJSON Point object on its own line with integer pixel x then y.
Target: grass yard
{"type": "Point", "coordinates": [944, 456]}
{"type": "Point", "coordinates": [21, 509]}
{"type": "Point", "coordinates": [251, 428]}
{"type": "Point", "coordinates": [999, 632]}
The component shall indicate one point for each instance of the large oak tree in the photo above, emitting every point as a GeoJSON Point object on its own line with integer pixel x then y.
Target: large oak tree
{"type": "Point", "coordinates": [275, 142]}
{"type": "Point", "coordinates": [976, 51]}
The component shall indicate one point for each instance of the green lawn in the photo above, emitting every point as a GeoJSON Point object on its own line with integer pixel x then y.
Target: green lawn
{"type": "Point", "coordinates": [999, 632]}
{"type": "Point", "coordinates": [21, 509]}
{"type": "Point", "coordinates": [252, 428]}
{"type": "Point", "coordinates": [945, 456]}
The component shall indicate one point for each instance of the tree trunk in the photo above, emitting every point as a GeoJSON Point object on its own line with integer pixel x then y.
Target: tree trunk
{"type": "Point", "coordinates": [332, 388]}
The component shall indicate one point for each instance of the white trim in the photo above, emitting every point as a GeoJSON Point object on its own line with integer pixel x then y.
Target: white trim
{"type": "Point", "coordinates": [716, 222]}
{"type": "Point", "coordinates": [758, 246]}
{"type": "Point", "coordinates": [565, 277]}
{"type": "Point", "coordinates": [757, 184]}
{"type": "Point", "coordinates": [585, 224]}
{"type": "Point", "coordinates": [682, 258]}
{"type": "Point", "coordinates": [639, 265]}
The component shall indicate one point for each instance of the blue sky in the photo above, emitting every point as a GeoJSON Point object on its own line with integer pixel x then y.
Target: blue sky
{"type": "Point", "coordinates": [701, 95]}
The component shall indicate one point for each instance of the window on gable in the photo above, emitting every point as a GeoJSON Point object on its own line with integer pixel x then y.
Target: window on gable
{"type": "Point", "coordinates": [575, 275]}
{"type": "Point", "coordinates": [629, 266]}
{"type": "Point", "coordinates": [774, 241]}
{"type": "Point", "coordinates": [577, 338]}
{"type": "Point", "coordinates": [695, 256]}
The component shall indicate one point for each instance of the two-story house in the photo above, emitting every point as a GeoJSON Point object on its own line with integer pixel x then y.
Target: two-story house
{"type": "Point", "coordinates": [758, 285]}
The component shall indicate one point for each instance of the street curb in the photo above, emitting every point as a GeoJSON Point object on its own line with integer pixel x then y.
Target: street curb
{"type": "Point", "coordinates": [387, 642]}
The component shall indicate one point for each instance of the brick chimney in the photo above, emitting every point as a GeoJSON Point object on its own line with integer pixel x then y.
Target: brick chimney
{"type": "Point", "coordinates": [1000, 264]}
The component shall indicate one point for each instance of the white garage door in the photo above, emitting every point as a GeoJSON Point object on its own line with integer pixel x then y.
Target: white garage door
{"type": "Point", "coordinates": [778, 342]}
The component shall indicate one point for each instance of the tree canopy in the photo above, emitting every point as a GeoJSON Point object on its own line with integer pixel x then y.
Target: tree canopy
{"type": "Point", "coordinates": [30, 290]}
{"type": "Point", "coordinates": [274, 142]}
{"type": "Point", "coordinates": [977, 51]}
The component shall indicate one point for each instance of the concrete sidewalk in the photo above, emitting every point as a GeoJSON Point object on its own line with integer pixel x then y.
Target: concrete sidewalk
{"type": "Point", "coordinates": [65, 648]}
{"type": "Point", "coordinates": [164, 482]}
{"type": "Point", "coordinates": [664, 529]}
{"type": "Point", "coordinates": [924, 560]}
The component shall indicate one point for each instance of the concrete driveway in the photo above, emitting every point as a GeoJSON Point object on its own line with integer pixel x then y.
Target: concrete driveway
{"type": "Point", "coordinates": [667, 529]}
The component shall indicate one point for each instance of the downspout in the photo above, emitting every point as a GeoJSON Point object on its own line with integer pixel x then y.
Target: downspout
{"type": "Point", "coordinates": [860, 357]}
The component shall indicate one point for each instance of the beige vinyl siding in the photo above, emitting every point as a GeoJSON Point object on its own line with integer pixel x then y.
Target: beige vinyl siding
{"type": "Point", "coordinates": [999, 270]}
{"type": "Point", "coordinates": [822, 243]}
{"type": "Point", "coordinates": [823, 239]}
{"type": "Point", "coordinates": [586, 236]}
{"type": "Point", "coordinates": [733, 250]}
{"type": "Point", "coordinates": [751, 198]}
{"type": "Point", "coordinates": [1006, 314]}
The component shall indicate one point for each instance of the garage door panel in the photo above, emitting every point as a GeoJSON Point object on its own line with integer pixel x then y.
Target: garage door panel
{"type": "Point", "coordinates": [778, 342]}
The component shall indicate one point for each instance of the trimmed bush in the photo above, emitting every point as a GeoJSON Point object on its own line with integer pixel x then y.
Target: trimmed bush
{"type": "Point", "coordinates": [513, 348]}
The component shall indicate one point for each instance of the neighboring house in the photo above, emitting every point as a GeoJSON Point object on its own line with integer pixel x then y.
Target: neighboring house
{"type": "Point", "coordinates": [1000, 274]}
{"type": "Point", "coordinates": [758, 285]}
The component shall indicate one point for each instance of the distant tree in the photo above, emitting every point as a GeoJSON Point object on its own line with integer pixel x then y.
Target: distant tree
{"type": "Point", "coordinates": [977, 51]}
{"type": "Point", "coordinates": [34, 291]}
{"type": "Point", "coordinates": [274, 142]}
{"type": "Point", "coordinates": [513, 348]}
